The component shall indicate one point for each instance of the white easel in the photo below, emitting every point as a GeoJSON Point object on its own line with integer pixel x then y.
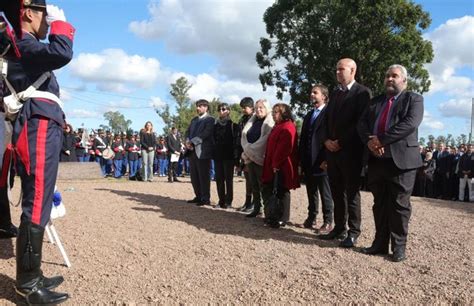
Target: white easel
{"type": "Point", "coordinates": [54, 239]}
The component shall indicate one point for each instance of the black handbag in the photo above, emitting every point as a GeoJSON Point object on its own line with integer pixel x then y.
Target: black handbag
{"type": "Point", "coordinates": [274, 205]}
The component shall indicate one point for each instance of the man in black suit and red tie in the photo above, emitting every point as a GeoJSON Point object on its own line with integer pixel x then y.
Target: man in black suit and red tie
{"type": "Point", "coordinates": [345, 152]}
{"type": "Point", "coordinates": [389, 128]}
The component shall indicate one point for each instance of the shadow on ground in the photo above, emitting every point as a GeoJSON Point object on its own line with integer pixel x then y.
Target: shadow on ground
{"type": "Point", "coordinates": [6, 249]}
{"type": "Point", "coordinates": [7, 291]}
{"type": "Point", "coordinates": [218, 221]}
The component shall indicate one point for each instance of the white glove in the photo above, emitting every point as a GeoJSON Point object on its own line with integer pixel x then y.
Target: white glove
{"type": "Point", "coordinates": [54, 13]}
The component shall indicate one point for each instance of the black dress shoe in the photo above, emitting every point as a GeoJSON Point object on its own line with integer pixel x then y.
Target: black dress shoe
{"type": "Point", "coordinates": [374, 251]}
{"type": "Point", "coordinates": [195, 200]}
{"type": "Point", "coordinates": [349, 242]}
{"type": "Point", "coordinates": [253, 214]}
{"type": "Point", "coordinates": [398, 255]}
{"type": "Point", "coordinates": [308, 223]}
{"type": "Point", "coordinates": [176, 180]}
{"type": "Point", "coordinates": [202, 203]}
{"type": "Point", "coordinates": [276, 224]}
{"type": "Point", "coordinates": [52, 282]}
{"type": "Point", "coordinates": [7, 232]}
{"type": "Point", "coordinates": [333, 235]}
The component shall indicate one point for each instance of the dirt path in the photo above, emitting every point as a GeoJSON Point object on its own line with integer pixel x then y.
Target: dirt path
{"type": "Point", "coordinates": [139, 243]}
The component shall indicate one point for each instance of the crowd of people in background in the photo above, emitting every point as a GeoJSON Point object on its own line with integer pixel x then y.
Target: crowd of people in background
{"type": "Point", "coordinates": [447, 172]}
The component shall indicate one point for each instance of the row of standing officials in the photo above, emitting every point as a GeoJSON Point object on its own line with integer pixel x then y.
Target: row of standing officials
{"type": "Point", "coordinates": [342, 127]}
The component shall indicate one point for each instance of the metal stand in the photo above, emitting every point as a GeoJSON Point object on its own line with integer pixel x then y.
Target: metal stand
{"type": "Point", "coordinates": [54, 239]}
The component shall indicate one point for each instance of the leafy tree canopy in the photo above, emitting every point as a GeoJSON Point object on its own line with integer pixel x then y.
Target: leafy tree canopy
{"type": "Point", "coordinates": [117, 122]}
{"type": "Point", "coordinates": [306, 38]}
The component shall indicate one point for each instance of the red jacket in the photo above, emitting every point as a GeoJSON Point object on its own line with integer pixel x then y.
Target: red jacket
{"type": "Point", "coordinates": [282, 154]}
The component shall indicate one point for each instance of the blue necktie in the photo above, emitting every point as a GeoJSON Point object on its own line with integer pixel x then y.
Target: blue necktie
{"type": "Point", "coordinates": [314, 116]}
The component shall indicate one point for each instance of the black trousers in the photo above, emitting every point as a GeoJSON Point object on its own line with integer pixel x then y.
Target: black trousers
{"type": "Point", "coordinates": [224, 175]}
{"type": "Point", "coordinates": [38, 143]}
{"type": "Point", "coordinates": [315, 184]}
{"type": "Point", "coordinates": [392, 188]}
{"type": "Point", "coordinates": [344, 179]}
{"type": "Point", "coordinates": [172, 170]}
{"type": "Point", "coordinates": [200, 177]}
{"type": "Point", "coordinates": [283, 195]}
{"type": "Point", "coordinates": [255, 179]}
{"type": "Point", "coordinates": [248, 184]}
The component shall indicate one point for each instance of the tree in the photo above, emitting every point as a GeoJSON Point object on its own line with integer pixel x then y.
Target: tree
{"type": "Point", "coordinates": [422, 141]}
{"type": "Point", "coordinates": [185, 111]}
{"type": "Point", "coordinates": [308, 37]}
{"type": "Point", "coordinates": [441, 139]}
{"type": "Point", "coordinates": [431, 140]}
{"type": "Point", "coordinates": [462, 139]}
{"type": "Point", "coordinates": [117, 121]}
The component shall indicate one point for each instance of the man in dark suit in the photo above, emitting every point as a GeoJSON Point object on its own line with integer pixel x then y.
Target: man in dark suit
{"type": "Point", "coordinates": [174, 147]}
{"type": "Point", "coordinates": [345, 152]}
{"type": "Point", "coordinates": [313, 161]}
{"type": "Point", "coordinates": [200, 144]}
{"type": "Point", "coordinates": [389, 127]}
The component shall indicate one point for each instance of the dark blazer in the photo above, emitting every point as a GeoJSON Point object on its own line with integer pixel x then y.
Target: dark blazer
{"type": "Point", "coordinates": [341, 122]}
{"type": "Point", "coordinates": [312, 159]}
{"type": "Point", "coordinates": [402, 134]}
{"type": "Point", "coordinates": [202, 132]}
{"type": "Point", "coordinates": [174, 144]}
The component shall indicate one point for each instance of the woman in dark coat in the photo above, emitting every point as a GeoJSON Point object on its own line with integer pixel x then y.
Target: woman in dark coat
{"type": "Point", "coordinates": [68, 150]}
{"type": "Point", "coordinates": [226, 155]}
{"type": "Point", "coordinates": [281, 156]}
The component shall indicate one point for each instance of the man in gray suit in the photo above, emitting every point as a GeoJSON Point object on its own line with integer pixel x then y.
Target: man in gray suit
{"type": "Point", "coordinates": [389, 128]}
{"type": "Point", "coordinates": [200, 146]}
{"type": "Point", "coordinates": [313, 161]}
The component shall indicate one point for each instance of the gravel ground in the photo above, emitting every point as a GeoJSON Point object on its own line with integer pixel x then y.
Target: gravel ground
{"type": "Point", "coordinates": [141, 243]}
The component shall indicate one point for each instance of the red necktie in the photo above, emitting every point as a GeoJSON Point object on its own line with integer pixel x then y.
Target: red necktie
{"type": "Point", "coordinates": [384, 117]}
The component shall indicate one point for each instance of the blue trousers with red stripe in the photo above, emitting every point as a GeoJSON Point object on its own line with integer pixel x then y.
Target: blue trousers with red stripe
{"type": "Point", "coordinates": [38, 143]}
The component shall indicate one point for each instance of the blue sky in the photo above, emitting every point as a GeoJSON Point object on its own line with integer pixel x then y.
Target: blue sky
{"type": "Point", "coordinates": [128, 52]}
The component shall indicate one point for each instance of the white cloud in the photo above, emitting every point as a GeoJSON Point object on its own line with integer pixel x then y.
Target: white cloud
{"type": "Point", "coordinates": [64, 94]}
{"type": "Point", "coordinates": [206, 86]}
{"type": "Point", "coordinates": [429, 124]}
{"type": "Point", "coordinates": [452, 45]}
{"type": "Point", "coordinates": [118, 105]}
{"type": "Point", "coordinates": [82, 113]}
{"type": "Point", "coordinates": [456, 108]}
{"type": "Point", "coordinates": [156, 102]}
{"type": "Point", "coordinates": [229, 29]}
{"type": "Point", "coordinates": [114, 70]}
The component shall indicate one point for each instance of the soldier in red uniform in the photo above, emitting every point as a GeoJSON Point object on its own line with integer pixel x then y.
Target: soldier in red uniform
{"type": "Point", "coordinates": [38, 122]}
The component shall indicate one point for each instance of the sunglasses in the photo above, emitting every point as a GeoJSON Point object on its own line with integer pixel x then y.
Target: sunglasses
{"type": "Point", "coordinates": [222, 109]}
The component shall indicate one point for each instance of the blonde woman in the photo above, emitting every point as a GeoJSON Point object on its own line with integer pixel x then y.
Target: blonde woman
{"type": "Point", "coordinates": [254, 141]}
{"type": "Point", "coordinates": [147, 142]}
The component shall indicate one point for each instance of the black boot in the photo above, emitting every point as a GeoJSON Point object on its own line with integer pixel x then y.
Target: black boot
{"type": "Point", "coordinates": [30, 283]}
{"type": "Point", "coordinates": [248, 202]}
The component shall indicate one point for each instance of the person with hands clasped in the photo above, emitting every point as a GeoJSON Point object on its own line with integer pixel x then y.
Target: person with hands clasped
{"type": "Point", "coordinates": [389, 128]}
{"type": "Point", "coordinates": [147, 141]}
